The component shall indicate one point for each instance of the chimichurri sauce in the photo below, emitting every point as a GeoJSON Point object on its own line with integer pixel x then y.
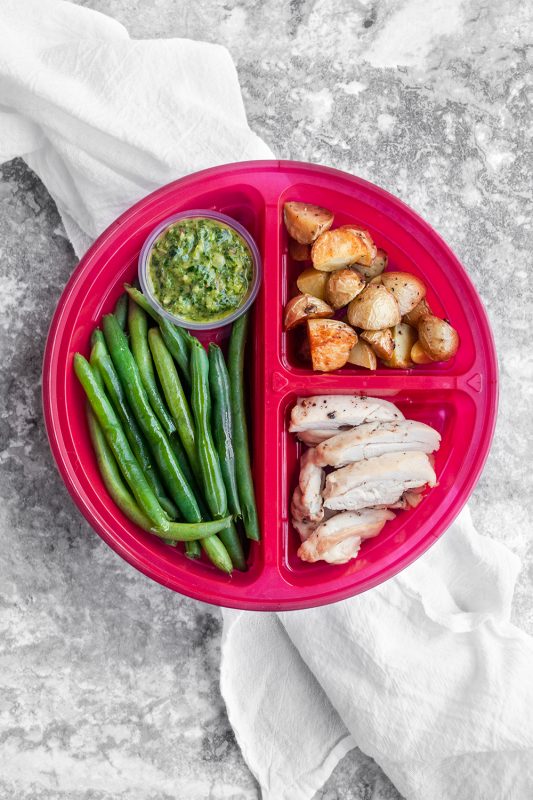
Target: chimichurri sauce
{"type": "Point", "coordinates": [200, 269]}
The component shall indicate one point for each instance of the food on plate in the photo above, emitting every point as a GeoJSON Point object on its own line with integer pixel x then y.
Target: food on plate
{"type": "Point", "coordinates": [305, 222]}
{"type": "Point", "coordinates": [381, 342]}
{"type": "Point", "coordinates": [312, 281]}
{"type": "Point", "coordinates": [337, 248]}
{"type": "Point", "coordinates": [437, 338]}
{"type": "Point", "coordinates": [404, 337]}
{"type": "Point", "coordinates": [363, 459]}
{"type": "Point", "coordinates": [418, 355]}
{"type": "Point", "coordinates": [303, 307]}
{"type": "Point", "coordinates": [421, 309]}
{"type": "Point", "coordinates": [342, 286]}
{"type": "Point", "coordinates": [374, 309]}
{"type": "Point", "coordinates": [200, 269]}
{"type": "Point", "coordinates": [407, 289]}
{"type": "Point", "coordinates": [338, 539]}
{"type": "Point", "coordinates": [374, 270]}
{"type": "Point", "coordinates": [299, 251]}
{"type": "Point", "coordinates": [330, 342]}
{"type": "Point", "coordinates": [362, 355]}
{"type": "Point", "coordinates": [369, 248]}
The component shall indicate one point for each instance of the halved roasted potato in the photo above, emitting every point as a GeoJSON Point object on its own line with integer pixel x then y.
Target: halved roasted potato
{"type": "Point", "coordinates": [370, 249]}
{"type": "Point", "coordinates": [419, 355]}
{"type": "Point", "coordinates": [330, 342]}
{"type": "Point", "coordinates": [337, 249]}
{"type": "Point", "coordinates": [417, 312]}
{"type": "Point", "coordinates": [362, 355]}
{"type": "Point", "coordinates": [305, 221]}
{"type": "Point", "coordinates": [374, 309]}
{"type": "Point", "coordinates": [406, 288]}
{"type": "Point", "coordinates": [312, 281]}
{"type": "Point", "coordinates": [304, 307]}
{"type": "Point", "coordinates": [299, 251]}
{"type": "Point", "coordinates": [403, 336]}
{"type": "Point", "coordinates": [342, 286]}
{"type": "Point", "coordinates": [437, 338]}
{"type": "Point", "coordinates": [378, 265]}
{"type": "Point", "coordinates": [380, 341]}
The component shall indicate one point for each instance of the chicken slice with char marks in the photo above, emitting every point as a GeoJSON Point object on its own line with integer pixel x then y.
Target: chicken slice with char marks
{"type": "Point", "coordinates": [337, 540]}
{"type": "Point", "coordinates": [326, 412]}
{"type": "Point", "coordinates": [317, 436]}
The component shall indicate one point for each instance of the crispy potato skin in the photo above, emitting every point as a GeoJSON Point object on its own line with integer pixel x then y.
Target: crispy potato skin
{"type": "Point", "coordinates": [437, 338]}
{"type": "Point", "coordinates": [362, 355]}
{"type": "Point", "coordinates": [342, 286]}
{"type": "Point", "coordinates": [378, 265]}
{"type": "Point", "coordinates": [330, 342]}
{"type": "Point", "coordinates": [374, 309]}
{"type": "Point", "coordinates": [418, 355]}
{"type": "Point", "coordinates": [305, 222]}
{"type": "Point", "coordinates": [412, 317]}
{"type": "Point", "coordinates": [298, 251]}
{"type": "Point", "coordinates": [381, 342]}
{"type": "Point", "coordinates": [406, 288]}
{"type": "Point", "coordinates": [312, 281]}
{"type": "Point", "coordinates": [304, 307]}
{"type": "Point", "coordinates": [370, 249]}
{"type": "Point", "coordinates": [336, 249]}
{"type": "Point", "coordinates": [404, 336]}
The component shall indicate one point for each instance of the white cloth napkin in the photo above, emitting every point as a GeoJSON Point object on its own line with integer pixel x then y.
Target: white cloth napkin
{"type": "Point", "coordinates": [425, 673]}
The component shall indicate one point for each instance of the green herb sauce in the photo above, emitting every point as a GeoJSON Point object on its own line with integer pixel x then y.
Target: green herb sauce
{"type": "Point", "coordinates": [200, 269]}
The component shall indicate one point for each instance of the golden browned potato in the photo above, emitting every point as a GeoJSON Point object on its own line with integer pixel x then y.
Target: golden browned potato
{"type": "Point", "coordinates": [312, 281]}
{"type": "Point", "coordinates": [370, 249]}
{"type": "Point", "coordinates": [406, 288]}
{"type": "Point", "coordinates": [418, 311]}
{"type": "Point", "coordinates": [418, 355]}
{"type": "Point", "coordinates": [305, 222]}
{"type": "Point", "coordinates": [362, 355]}
{"type": "Point", "coordinates": [374, 309]}
{"type": "Point", "coordinates": [304, 307]}
{"type": "Point", "coordinates": [437, 338]}
{"type": "Point", "coordinates": [330, 342]}
{"type": "Point", "coordinates": [336, 249]}
{"type": "Point", "coordinates": [380, 342]}
{"type": "Point", "coordinates": [342, 286]}
{"type": "Point", "coordinates": [377, 281]}
{"type": "Point", "coordinates": [298, 251]}
{"type": "Point", "coordinates": [404, 337]}
{"type": "Point", "coordinates": [378, 265]}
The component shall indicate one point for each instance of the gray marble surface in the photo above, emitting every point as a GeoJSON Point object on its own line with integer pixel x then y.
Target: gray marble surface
{"type": "Point", "coordinates": [108, 682]}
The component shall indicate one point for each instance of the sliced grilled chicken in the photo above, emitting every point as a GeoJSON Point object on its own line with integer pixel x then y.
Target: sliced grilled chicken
{"type": "Point", "coordinates": [338, 539]}
{"type": "Point", "coordinates": [379, 481]}
{"type": "Point", "coordinates": [327, 412]}
{"type": "Point", "coordinates": [316, 436]}
{"type": "Point", "coordinates": [374, 439]}
{"type": "Point", "coordinates": [311, 483]}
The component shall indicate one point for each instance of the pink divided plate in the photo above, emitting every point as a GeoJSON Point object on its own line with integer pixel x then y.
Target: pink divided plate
{"type": "Point", "coordinates": [458, 398]}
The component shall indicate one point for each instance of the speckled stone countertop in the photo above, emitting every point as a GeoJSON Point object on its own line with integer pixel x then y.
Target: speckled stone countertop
{"type": "Point", "coordinates": [108, 682]}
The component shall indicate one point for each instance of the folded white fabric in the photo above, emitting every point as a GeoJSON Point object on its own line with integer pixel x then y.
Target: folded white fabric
{"type": "Point", "coordinates": [425, 673]}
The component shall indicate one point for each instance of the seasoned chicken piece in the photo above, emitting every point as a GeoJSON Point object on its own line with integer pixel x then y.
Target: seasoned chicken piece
{"type": "Point", "coordinates": [338, 539]}
{"type": "Point", "coordinates": [374, 439]}
{"type": "Point", "coordinates": [379, 481]}
{"type": "Point", "coordinates": [300, 515]}
{"type": "Point", "coordinates": [317, 436]}
{"type": "Point", "coordinates": [326, 412]}
{"type": "Point", "coordinates": [311, 483]}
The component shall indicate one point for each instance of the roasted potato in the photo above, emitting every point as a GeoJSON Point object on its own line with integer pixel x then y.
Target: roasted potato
{"type": "Point", "coordinates": [404, 337]}
{"type": "Point", "coordinates": [342, 286]}
{"type": "Point", "coordinates": [418, 355]}
{"type": "Point", "coordinates": [362, 355]}
{"type": "Point", "coordinates": [374, 309]}
{"type": "Point", "coordinates": [304, 307]}
{"type": "Point", "coordinates": [330, 342]}
{"type": "Point", "coordinates": [418, 311]}
{"type": "Point", "coordinates": [306, 222]}
{"type": "Point", "coordinates": [406, 288]}
{"type": "Point", "coordinates": [298, 251]}
{"type": "Point", "coordinates": [437, 338]}
{"type": "Point", "coordinates": [379, 263]}
{"type": "Point", "coordinates": [312, 281]}
{"type": "Point", "coordinates": [380, 342]}
{"type": "Point", "coordinates": [377, 281]}
{"type": "Point", "coordinates": [337, 249]}
{"type": "Point", "coordinates": [370, 249]}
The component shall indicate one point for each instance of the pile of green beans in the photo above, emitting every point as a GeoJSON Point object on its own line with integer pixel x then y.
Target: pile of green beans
{"type": "Point", "coordinates": [167, 423]}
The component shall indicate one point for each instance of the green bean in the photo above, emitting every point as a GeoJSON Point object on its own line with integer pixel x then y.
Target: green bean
{"type": "Point", "coordinates": [167, 462]}
{"type": "Point", "coordinates": [222, 424]}
{"type": "Point", "coordinates": [245, 484]}
{"type": "Point", "coordinates": [138, 328]}
{"type": "Point", "coordinates": [121, 310]}
{"type": "Point", "coordinates": [174, 337]}
{"type": "Point", "coordinates": [192, 549]}
{"type": "Point", "coordinates": [101, 360]}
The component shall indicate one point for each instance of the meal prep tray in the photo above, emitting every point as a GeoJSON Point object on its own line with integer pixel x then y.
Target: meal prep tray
{"type": "Point", "coordinates": [458, 398]}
